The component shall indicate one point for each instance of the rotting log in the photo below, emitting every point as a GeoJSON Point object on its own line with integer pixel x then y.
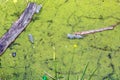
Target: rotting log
{"type": "Point", "coordinates": [18, 26]}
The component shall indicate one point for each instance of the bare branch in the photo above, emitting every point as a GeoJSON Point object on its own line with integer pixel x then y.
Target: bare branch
{"type": "Point", "coordinates": [79, 35]}
{"type": "Point", "coordinates": [97, 30]}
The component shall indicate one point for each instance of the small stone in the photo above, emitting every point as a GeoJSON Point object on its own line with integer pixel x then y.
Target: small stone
{"type": "Point", "coordinates": [14, 54]}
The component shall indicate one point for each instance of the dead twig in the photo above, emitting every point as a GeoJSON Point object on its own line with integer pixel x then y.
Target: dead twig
{"type": "Point", "coordinates": [97, 30]}
{"type": "Point", "coordinates": [79, 35]}
{"type": "Point", "coordinates": [49, 75]}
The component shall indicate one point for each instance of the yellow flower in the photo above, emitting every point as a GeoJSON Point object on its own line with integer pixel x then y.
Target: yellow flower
{"type": "Point", "coordinates": [74, 45]}
{"type": "Point", "coordinates": [15, 1]}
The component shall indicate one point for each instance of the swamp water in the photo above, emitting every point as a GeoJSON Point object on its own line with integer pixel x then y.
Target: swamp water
{"type": "Point", "coordinates": [52, 54]}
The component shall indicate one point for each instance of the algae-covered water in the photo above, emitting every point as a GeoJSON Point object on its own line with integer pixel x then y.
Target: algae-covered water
{"type": "Point", "coordinates": [53, 55]}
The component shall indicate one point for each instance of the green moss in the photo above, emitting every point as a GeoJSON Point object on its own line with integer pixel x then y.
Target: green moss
{"type": "Point", "coordinates": [49, 29]}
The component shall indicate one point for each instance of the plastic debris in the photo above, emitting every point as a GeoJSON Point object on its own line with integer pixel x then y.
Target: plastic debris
{"type": "Point", "coordinates": [74, 36]}
{"type": "Point", "coordinates": [78, 36]}
{"type": "Point", "coordinates": [38, 8]}
{"type": "Point", "coordinates": [14, 54]}
{"type": "Point", "coordinates": [44, 77]}
{"type": "Point", "coordinates": [31, 38]}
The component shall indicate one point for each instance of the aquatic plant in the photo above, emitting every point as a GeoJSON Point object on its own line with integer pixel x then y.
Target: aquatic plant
{"type": "Point", "coordinates": [49, 29]}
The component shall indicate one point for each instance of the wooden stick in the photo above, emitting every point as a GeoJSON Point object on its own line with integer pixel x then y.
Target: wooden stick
{"type": "Point", "coordinates": [97, 30]}
{"type": "Point", "coordinates": [49, 75]}
{"type": "Point", "coordinates": [18, 26]}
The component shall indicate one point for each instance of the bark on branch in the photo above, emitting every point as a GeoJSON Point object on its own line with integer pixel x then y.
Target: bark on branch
{"type": "Point", "coordinates": [18, 26]}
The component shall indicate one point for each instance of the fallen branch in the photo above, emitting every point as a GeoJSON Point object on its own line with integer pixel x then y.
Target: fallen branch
{"type": "Point", "coordinates": [18, 26]}
{"type": "Point", "coordinates": [79, 35]}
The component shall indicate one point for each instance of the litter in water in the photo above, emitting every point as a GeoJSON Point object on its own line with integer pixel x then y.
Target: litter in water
{"type": "Point", "coordinates": [13, 54]}
{"type": "Point", "coordinates": [74, 36]}
{"type": "Point", "coordinates": [38, 8]}
{"type": "Point", "coordinates": [31, 38]}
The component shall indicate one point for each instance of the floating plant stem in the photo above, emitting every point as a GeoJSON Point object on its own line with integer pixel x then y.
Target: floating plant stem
{"type": "Point", "coordinates": [18, 26]}
{"type": "Point", "coordinates": [50, 75]}
{"type": "Point", "coordinates": [97, 30]}
{"type": "Point", "coordinates": [78, 35]}
{"type": "Point", "coordinates": [82, 78]}
{"type": "Point", "coordinates": [92, 74]}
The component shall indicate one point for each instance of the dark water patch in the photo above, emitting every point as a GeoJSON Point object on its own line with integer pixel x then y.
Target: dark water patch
{"type": "Point", "coordinates": [66, 1]}
{"type": "Point", "coordinates": [105, 48]}
{"type": "Point", "coordinates": [109, 56]}
{"type": "Point", "coordinates": [48, 60]}
{"type": "Point", "coordinates": [27, 66]}
{"type": "Point", "coordinates": [98, 61]}
{"type": "Point", "coordinates": [41, 39]}
{"type": "Point", "coordinates": [118, 1]}
{"type": "Point", "coordinates": [25, 56]}
{"type": "Point", "coordinates": [16, 14]}
{"type": "Point", "coordinates": [35, 18]}
{"type": "Point", "coordinates": [50, 68]}
{"type": "Point", "coordinates": [6, 77]}
{"type": "Point", "coordinates": [12, 45]}
{"type": "Point", "coordinates": [50, 21]}
{"type": "Point", "coordinates": [108, 17]}
{"type": "Point", "coordinates": [49, 34]}
{"type": "Point", "coordinates": [16, 74]}
{"type": "Point", "coordinates": [0, 65]}
{"type": "Point", "coordinates": [52, 44]}
{"type": "Point", "coordinates": [25, 76]}
{"type": "Point", "coordinates": [100, 17]}
{"type": "Point", "coordinates": [66, 73]}
{"type": "Point", "coordinates": [13, 54]}
{"type": "Point", "coordinates": [27, 72]}
{"type": "Point", "coordinates": [109, 75]}
{"type": "Point", "coordinates": [6, 29]}
{"type": "Point", "coordinates": [73, 21]}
